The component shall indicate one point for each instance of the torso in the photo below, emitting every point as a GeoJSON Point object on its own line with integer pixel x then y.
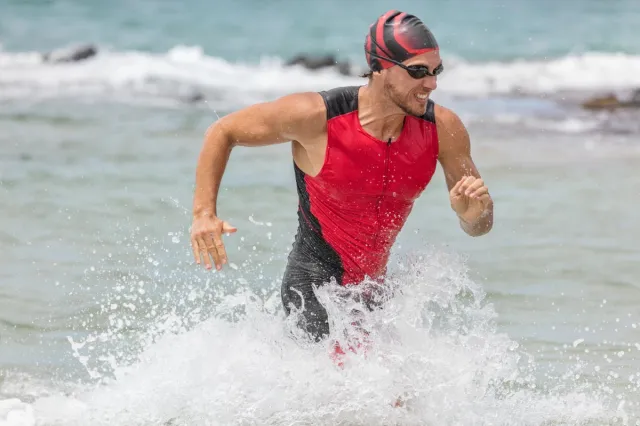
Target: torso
{"type": "Point", "coordinates": [356, 191]}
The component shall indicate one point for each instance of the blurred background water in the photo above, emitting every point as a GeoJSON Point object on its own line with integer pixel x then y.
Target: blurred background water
{"type": "Point", "coordinates": [104, 319]}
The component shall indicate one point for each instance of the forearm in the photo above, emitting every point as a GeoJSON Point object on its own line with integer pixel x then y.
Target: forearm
{"type": "Point", "coordinates": [480, 226]}
{"type": "Point", "coordinates": [212, 163]}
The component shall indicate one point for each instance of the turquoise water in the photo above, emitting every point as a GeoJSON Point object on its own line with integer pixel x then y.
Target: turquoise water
{"type": "Point", "coordinates": [104, 319]}
{"type": "Point", "coordinates": [246, 30]}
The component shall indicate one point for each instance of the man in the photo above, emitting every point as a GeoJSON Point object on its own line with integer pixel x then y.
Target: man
{"type": "Point", "coordinates": [362, 155]}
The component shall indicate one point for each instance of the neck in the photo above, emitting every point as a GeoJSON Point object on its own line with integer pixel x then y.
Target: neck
{"type": "Point", "coordinates": [378, 114]}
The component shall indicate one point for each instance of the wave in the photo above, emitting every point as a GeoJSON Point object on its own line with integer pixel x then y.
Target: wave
{"type": "Point", "coordinates": [543, 94]}
{"type": "Point", "coordinates": [177, 74]}
{"type": "Point", "coordinates": [182, 69]}
{"type": "Point", "coordinates": [588, 72]}
{"type": "Point", "coordinates": [434, 356]}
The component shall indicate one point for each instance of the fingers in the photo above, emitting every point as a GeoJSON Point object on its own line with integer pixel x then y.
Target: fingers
{"type": "Point", "coordinates": [211, 240]}
{"type": "Point", "coordinates": [196, 249]}
{"type": "Point", "coordinates": [470, 186]}
{"type": "Point", "coordinates": [463, 184]}
{"type": "Point", "coordinates": [207, 245]}
{"type": "Point", "coordinates": [473, 186]}
{"type": "Point", "coordinates": [484, 199]}
{"type": "Point", "coordinates": [203, 245]}
{"type": "Point", "coordinates": [456, 188]}
{"type": "Point", "coordinates": [221, 254]}
{"type": "Point", "coordinates": [227, 228]}
{"type": "Point", "coordinates": [479, 192]}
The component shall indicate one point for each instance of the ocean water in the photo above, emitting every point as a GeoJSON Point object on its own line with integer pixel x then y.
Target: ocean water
{"type": "Point", "coordinates": [105, 319]}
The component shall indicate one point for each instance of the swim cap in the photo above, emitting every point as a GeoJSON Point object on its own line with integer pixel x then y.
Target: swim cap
{"type": "Point", "coordinates": [398, 36]}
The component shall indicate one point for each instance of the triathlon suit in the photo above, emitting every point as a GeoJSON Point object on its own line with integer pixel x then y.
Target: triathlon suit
{"type": "Point", "coordinates": [350, 213]}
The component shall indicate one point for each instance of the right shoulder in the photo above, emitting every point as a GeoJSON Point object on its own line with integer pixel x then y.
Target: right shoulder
{"type": "Point", "coordinates": [304, 114]}
{"type": "Point", "coordinates": [288, 108]}
{"type": "Point", "coordinates": [297, 116]}
{"type": "Point", "coordinates": [340, 100]}
{"type": "Point", "coordinates": [326, 104]}
{"type": "Point", "coordinates": [302, 105]}
{"type": "Point", "coordinates": [314, 109]}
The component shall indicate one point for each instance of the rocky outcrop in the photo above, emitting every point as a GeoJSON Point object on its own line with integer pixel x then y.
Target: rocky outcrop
{"type": "Point", "coordinates": [611, 101]}
{"type": "Point", "coordinates": [311, 62]}
{"type": "Point", "coordinates": [71, 54]}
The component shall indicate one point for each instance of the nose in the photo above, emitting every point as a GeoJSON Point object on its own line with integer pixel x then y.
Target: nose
{"type": "Point", "coordinates": [430, 82]}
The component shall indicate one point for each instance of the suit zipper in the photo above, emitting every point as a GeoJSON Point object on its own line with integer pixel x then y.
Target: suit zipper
{"type": "Point", "coordinates": [384, 188]}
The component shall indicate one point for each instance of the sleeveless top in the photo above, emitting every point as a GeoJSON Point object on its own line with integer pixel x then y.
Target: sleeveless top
{"type": "Point", "coordinates": [351, 212]}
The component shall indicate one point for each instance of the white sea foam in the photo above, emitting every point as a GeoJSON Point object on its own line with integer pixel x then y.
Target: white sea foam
{"type": "Point", "coordinates": [434, 346]}
{"type": "Point", "coordinates": [529, 93]}
{"type": "Point", "coordinates": [183, 68]}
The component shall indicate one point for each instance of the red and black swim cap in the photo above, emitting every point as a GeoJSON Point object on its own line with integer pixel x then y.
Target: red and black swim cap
{"type": "Point", "coordinates": [398, 36]}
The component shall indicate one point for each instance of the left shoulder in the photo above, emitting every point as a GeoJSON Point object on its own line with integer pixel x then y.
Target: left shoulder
{"type": "Point", "coordinates": [452, 133]}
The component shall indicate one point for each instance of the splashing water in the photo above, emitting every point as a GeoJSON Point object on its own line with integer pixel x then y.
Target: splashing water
{"type": "Point", "coordinates": [430, 353]}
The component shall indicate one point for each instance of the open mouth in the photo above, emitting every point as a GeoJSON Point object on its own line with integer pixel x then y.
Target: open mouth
{"type": "Point", "coordinates": [422, 97]}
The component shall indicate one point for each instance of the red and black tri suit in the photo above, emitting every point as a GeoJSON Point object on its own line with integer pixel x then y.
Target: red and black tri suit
{"type": "Point", "coordinates": [351, 212]}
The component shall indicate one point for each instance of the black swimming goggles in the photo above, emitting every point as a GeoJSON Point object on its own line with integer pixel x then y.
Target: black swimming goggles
{"type": "Point", "coordinates": [415, 71]}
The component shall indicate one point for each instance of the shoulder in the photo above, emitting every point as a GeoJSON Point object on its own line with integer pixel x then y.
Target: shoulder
{"type": "Point", "coordinates": [452, 133]}
{"type": "Point", "coordinates": [340, 100]}
{"type": "Point", "coordinates": [319, 106]}
{"type": "Point", "coordinates": [449, 123]}
{"type": "Point", "coordinates": [301, 116]}
{"type": "Point", "coordinates": [302, 104]}
{"type": "Point", "coordinates": [294, 107]}
{"type": "Point", "coordinates": [298, 116]}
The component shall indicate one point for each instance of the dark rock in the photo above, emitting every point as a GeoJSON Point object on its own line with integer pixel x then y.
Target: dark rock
{"type": "Point", "coordinates": [71, 54]}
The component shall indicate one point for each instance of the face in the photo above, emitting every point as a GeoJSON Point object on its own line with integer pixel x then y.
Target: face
{"type": "Point", "coordinates": [408, 93]}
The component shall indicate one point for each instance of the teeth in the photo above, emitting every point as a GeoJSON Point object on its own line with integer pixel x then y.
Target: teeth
{"type": "Point", "coordinates": [421, 96]}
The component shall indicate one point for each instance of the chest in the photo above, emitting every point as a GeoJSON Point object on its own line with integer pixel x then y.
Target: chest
{"type": "Point", "coordinates": [359, 164]}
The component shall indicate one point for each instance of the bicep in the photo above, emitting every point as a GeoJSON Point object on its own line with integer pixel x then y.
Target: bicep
{"type": "Point", "coordinates": [288, 118]}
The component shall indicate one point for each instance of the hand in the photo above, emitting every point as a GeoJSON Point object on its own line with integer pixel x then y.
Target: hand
{"type": "Point", "coordinates": [469, 198]}
{"type": "Point", "coordinates": [206, 239]}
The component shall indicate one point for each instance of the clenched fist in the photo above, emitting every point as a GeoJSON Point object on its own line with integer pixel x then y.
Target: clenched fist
{"type": "Point", "coordinates": [469, 198]}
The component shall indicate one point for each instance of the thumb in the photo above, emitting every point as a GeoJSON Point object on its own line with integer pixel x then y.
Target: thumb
{"type": "Point", "coordinates": [227, 228]}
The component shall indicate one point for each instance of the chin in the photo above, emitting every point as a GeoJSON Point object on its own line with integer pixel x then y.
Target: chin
{"type": "Point", "coordinates": [416, 110]}
{"type": "Point", "coordinates": [421, 110]}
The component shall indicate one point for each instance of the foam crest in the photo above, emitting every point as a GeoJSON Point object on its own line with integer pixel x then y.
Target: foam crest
{"type": "Point", "coordinates": [186, 71]}
{"type": "Point", "coordinates": [590, 71]}
{"type": "Point", "coordinates": [433, 355]}
{"type": "Point", "coordinates": [181, 73]}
